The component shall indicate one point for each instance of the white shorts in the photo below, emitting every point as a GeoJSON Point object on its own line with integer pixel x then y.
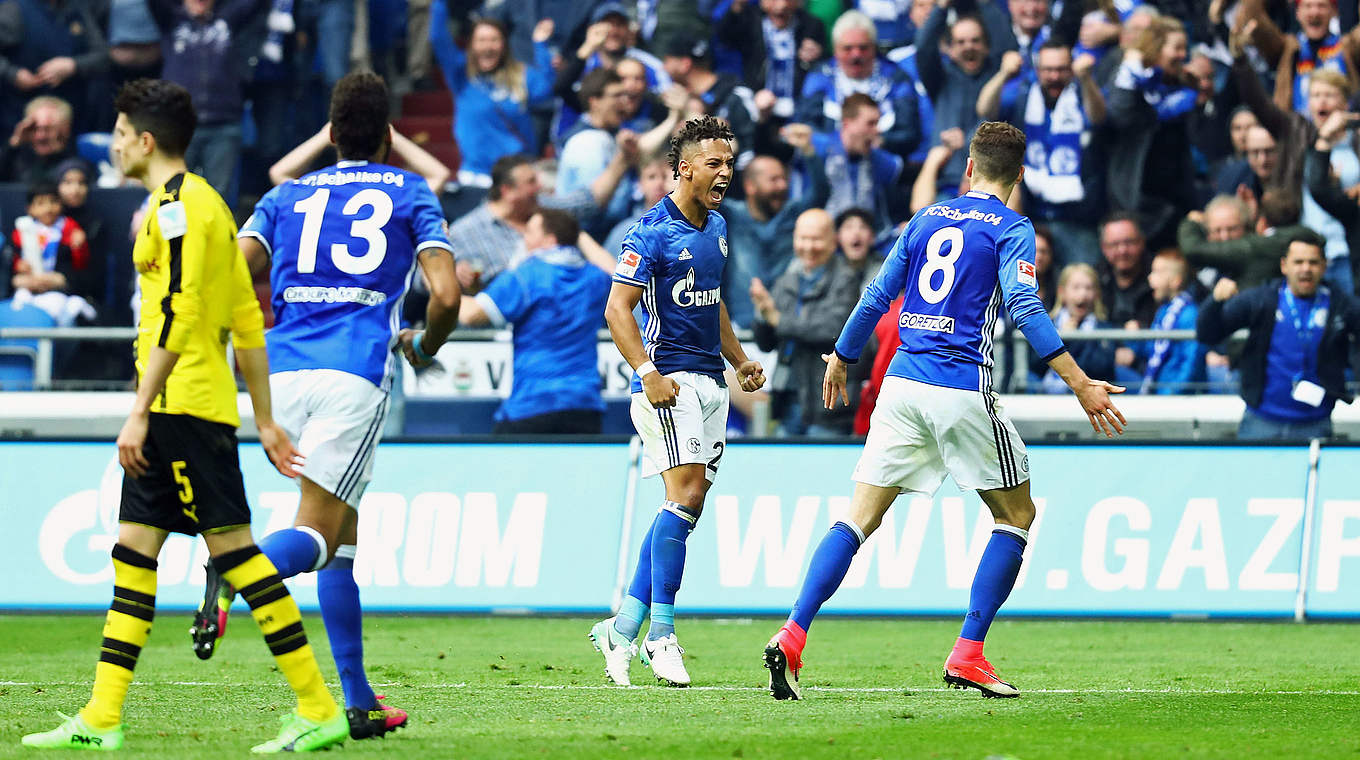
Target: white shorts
{"type": "Point", "coordinates": [693, 431]}
{"type": "Point", "coordinates": [336, 420]}
{"type": "Point", "coordinates": [919, 433]}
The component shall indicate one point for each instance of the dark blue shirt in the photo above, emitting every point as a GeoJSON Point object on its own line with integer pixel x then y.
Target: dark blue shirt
{"type": "Point", "coordinates": [680, 270]}
{"type": "Point", "coordinates": [1293, 356]}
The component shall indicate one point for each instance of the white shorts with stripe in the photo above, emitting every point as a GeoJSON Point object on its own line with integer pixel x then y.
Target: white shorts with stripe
{"type": "Point", "coordinates": [335, 420]}
{"type": "Point", "coordinates": [919, 433]}
{"type": "Point", "coordinates": [694, 431]}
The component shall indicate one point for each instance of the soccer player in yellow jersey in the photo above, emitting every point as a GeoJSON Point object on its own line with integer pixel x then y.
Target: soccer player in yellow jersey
{"type": "Point", "coordinates": [178, 447]}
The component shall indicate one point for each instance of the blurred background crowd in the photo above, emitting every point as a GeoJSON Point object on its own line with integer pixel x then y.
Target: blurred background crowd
{"type": "Point", "coordinates": [1192, 165]}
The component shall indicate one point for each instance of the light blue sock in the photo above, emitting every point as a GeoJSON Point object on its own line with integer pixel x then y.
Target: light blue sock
{"type": "Point", "coordinates": [340, 611]}
{"type": "Point", "coordinates": [634, 608]}
{"type": "Point", "coordinates": [629, 619]}
{"type": "Point", "coordinates": [663, 621]}
{"type": "Point", "coordinates": [293, 550]}
{"type": "Point", "coordinates": [669, 532]}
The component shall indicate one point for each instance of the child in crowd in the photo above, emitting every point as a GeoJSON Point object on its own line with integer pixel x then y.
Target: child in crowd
{"type": "Point", "coordinates": [50, 259]}
{"type": "Point", "coordinates": [1171, 366]}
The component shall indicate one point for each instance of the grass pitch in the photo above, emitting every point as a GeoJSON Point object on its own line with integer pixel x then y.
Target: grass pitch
{"type": "Point", "coordinates": [526, 687]}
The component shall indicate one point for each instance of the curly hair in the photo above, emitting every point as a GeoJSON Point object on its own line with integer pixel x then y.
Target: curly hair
{"type": "Point", "coordinates": [696, 131]}
{"type": "Point", "coordinates": [359, 114]}
{"type": "Point", "coordinates": [162, 108]}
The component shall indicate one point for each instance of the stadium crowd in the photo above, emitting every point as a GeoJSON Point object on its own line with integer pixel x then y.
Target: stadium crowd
{"type": "Point", "coordinates": [1192, 164]}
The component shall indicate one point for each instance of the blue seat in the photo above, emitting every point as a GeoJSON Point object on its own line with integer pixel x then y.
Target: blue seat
{"type": "Point", "coordinates": [19, 357]}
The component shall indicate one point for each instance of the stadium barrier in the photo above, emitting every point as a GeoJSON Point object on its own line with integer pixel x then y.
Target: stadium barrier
{"type": "Point", "coordinates": [1141, 530]}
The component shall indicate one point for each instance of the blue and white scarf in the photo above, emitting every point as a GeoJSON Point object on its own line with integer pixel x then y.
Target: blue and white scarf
{"type": "Point", "coordinates": [1162, 346]}
{"type": "Point", "coordinates": [877, 85]}
{"type": "Point", "coordinates": [1056, 139]}
{"type": "Point", "coordinates": [781, 51]}
{"type": "Point", "coordinates": [1171, 101]}
{"type": "Point", "coordinates": [280, 26]}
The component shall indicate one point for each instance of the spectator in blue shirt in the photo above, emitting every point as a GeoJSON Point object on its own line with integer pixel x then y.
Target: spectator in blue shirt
{"type": "Point", "coordinates": [492, 91]}
{"type": "Point", "coordinates": [857, 68]}
{"type": "Point", "coordinates": [1294, 362]}
{"type": "Point", "coordinates": [555, 300]}
{"type": "Point", "coordinates": [1172, 366]}
{"type": "Point", "coordinates": [860, 174]}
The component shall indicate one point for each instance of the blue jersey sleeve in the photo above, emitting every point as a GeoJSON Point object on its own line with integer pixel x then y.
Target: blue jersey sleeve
{"type": "Point", "coordinates": [260, 225]}
{"type": "Point", "coordinates": [507, 298]}
{"type": "Point", "coordinates": [637, 257]}
{"type": "Point", "coordinates": [1019, 285]}
{"type": "Point", "coordinates": [428, 228]}
{"type": "Point", "coordinates": [889, 281]}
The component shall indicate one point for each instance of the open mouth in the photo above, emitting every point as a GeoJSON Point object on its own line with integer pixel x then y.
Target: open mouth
{"type": "Point", "coordinates": [717, 192]}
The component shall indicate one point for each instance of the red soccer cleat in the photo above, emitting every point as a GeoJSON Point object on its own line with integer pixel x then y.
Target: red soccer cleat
{"type": "Point", "coordinates": [784, 658]}
{"type": "Point", "coordinates": [976, 673]}
{"type": "Point", "coordinates": [366, 724]}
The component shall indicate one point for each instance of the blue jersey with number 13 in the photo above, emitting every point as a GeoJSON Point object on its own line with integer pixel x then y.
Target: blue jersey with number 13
{"type": "Point", "coordinates": [343, 242]}
{"type": "Point", "coordinates": [958, 261]}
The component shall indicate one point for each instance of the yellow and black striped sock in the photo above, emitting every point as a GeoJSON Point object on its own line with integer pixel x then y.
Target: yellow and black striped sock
{"type": "Point", "coordinates": [125, 632]}
{"type": "Point", "coordinates": [277, 615]}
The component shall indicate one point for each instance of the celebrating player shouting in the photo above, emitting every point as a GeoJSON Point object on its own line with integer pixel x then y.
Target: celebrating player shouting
{"type": "Point", "coordinates": [936, 414]}
{"type": "Point", "coordinates": [672, 260]}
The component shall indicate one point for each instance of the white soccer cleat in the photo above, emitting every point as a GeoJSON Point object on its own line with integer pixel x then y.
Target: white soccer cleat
{"type": "Point", "coordinates": [663, 656]}
{"type": "Point", "coordinates": [618, 651]}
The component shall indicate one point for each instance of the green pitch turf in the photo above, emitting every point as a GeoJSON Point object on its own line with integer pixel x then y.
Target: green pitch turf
{"type": "Point", "coordinates": [517, 687]}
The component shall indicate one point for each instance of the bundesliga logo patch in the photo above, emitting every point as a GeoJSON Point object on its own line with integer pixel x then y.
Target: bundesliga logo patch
{"type": "Point", "coordinates": [928, 322]}
{"type": "Point", "coordinates": [628, 264]}
{"type": "Point", "coordinates": [1024, 274]}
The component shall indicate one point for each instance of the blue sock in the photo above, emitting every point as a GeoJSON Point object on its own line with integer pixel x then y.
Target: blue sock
{"type": "Point", "coordinates": [339, 597]}
{"type": "Point", "coordinates": [672, 526]}
{"type": "Point", "coordinates": [292, 550]}
{"type": "Point", "coordinates": [829, 564]}
{"type": "Point", "coordinates": [994, 580]}
{"type": "Point", "coordinates": [634, 608]}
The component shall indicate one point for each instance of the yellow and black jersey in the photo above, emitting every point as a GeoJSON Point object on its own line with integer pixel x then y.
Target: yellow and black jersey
{"type": "Point", "coordinates": [196, 292]}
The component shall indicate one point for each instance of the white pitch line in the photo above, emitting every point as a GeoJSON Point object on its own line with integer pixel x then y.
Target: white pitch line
{"type": "Point", "coordinates": [905, 690]}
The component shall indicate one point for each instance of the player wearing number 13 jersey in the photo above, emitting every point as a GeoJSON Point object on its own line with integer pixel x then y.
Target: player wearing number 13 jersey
{"type": "Point", "coordinates": [959, 261]}
{"type": "Point", "coordinates": [341, 245]}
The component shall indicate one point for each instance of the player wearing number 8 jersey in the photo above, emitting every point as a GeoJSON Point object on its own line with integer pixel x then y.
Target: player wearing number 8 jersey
{"type": "Point", "coordinates": [341, 245]}
{"type": "Point", "coordinates": [959, 261]}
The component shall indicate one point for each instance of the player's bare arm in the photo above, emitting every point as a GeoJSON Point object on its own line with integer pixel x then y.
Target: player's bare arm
{"type": "Point", "coordinates": [749, 373]}
{"type": "Point", "coordinates": [623, 328]}
{"type": "Point", "coordinates": [254, 364]}
{"type": "Point", "coordinates": [441, 315]}
{"type": "Point", "coordinates": [257, 258]}
{"type": "Point", "coordinates": [1093, 395]}
{"type": "Point", "coordinates": [132, 437]}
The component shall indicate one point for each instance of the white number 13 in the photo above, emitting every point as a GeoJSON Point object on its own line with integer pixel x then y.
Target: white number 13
{"type": "Point", "coordinates": [313, 209]}
{"type": "Point", "coordinates": [937, 263]}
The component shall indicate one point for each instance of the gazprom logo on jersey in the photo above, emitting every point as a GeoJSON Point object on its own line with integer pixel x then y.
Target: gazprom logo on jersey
{"type": "Point", "coordinates": [963, 216]}
{"type": "Point", "coordinates": [931, 322]}
{"type": "Point", "coordinates": [685, 295]}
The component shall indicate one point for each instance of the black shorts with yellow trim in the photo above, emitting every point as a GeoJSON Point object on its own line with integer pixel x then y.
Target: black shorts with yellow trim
{"type": "Point", "coordinates": [193, 482]}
